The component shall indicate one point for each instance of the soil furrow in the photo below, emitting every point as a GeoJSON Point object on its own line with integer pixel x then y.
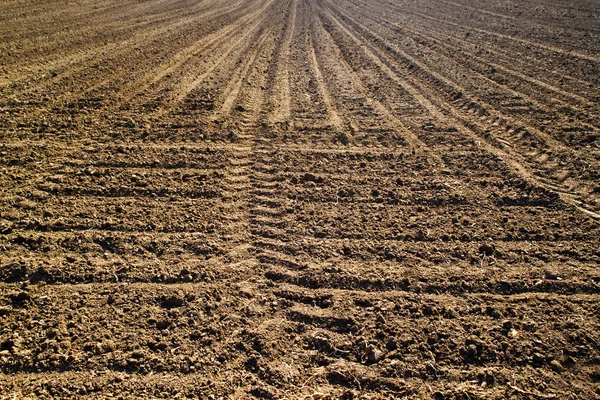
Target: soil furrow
{"type": "Point", "coordinates": [436, 83]}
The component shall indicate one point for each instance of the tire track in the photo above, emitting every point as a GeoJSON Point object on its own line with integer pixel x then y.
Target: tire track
{"type": "Point", "coordinates": [310, 115]}
{"type": "Point", "coordinates": [190, 55]}
{"type": "Point", "coordinates": [139, 38]}
{"type": "Point", "coordinates": [366, 98]}
{"type": "Point", "coordinates": [545, 140]}
{"type": "Point", "coordinates": [125, 47]}
{"type": "Point", "coordinates": [156, 80]}
{"type": "Point", "coordinates": [334, 118]}
{"type": "Point", "coordinates": [547, 47]}
{"type": "Point", "coordinates": [185, 87]}
{"type": "Point", "coordinates": [480, 65]}
{"type": "Point", "coordinates": [232, 91]}
{"type": "Point", "coordinates": [243, 106]}
{"type": "Point", "coordinates": [466, 122]}
{"type": "Point", "coordinates": [281, 101]}
{"type": "Point", "coordinates": [529, 64]}
{"type": "Point", "coordinates": [290, 252]}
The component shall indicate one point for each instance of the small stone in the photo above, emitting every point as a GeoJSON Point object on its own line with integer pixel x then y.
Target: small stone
{"type": "Point", "coordinates": [374, 355]}
{"type": "Point", "coordinates": [552, 276]}
{"type": "Point", "coordinates": [507, 324]}
{"type": "Point", "coordinates": [90, 171]}
{"type": "Point", "coordinates": [556, 366]}
{"type": "Point", "coordinates": [138, 354]}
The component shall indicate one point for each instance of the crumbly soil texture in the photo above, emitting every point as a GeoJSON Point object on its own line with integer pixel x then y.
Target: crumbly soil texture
{"type": "Point", "coordinates": [300, 199]}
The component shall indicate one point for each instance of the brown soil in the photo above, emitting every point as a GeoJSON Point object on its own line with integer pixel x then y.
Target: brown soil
{"type": "Point", "coordinates": [310, 199]}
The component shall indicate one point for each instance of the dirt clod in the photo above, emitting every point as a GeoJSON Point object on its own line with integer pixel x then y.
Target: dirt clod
{"type": "Point", "coordinates": [556, 366]}
{"type": "Point", "coordinates": [172, 301]}
{"type": "Point", "coordinates": [163, 324]}
{"type": "Point", "coordinates": [486, 249]}
{"type": "Point", "coordinates": [551, 275]}
{"type": "Point", "coordinates": [374, 355]}
{"type": "Point", "coordinates": [20, 298]}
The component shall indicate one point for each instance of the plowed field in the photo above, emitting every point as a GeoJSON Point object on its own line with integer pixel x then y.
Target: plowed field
{"type": "Point", "coordinates": [301, 199]}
